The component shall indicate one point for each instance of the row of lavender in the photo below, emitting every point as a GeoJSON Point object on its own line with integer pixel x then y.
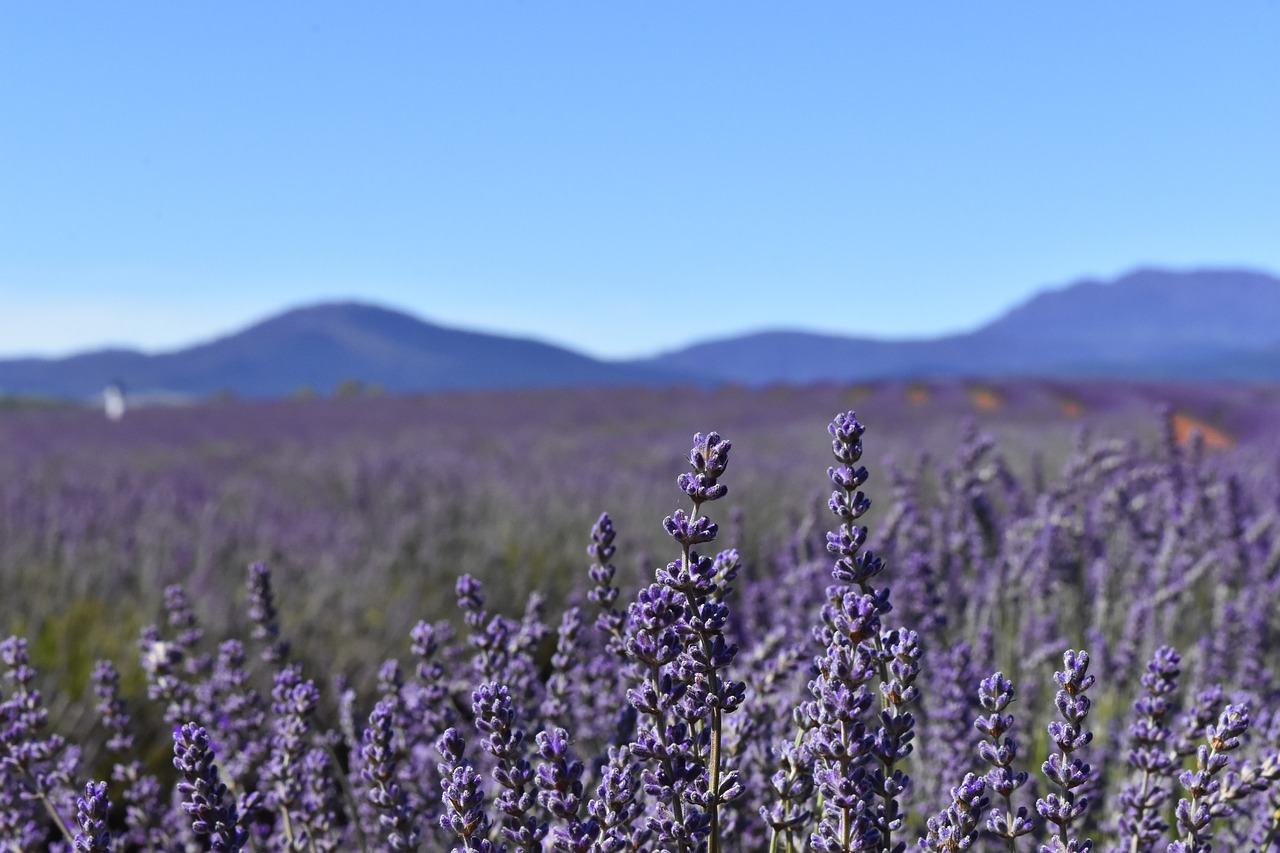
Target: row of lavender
{"type": "Point", "coordinates": [790, 713]}
{"type": "Point", "coordinates": [366, 509]}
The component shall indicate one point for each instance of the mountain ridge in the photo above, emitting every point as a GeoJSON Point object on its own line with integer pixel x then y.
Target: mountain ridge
{"type": "Point", "coordinates": [1148, 324]}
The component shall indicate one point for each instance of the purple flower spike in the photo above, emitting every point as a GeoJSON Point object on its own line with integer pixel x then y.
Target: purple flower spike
{"type": "Point", "coordinates": [689, 531]}
{"type": "Point", "coordinates": [1065, 771]}
{"type": "Point", "coordinates": [849, 504]}
{"type": "Point", "coordinates": [470, 595]}
{"type": "Point", "coordinates": [560, 791]}
{"type": "Point", "coordinates": [463, 796]}
{"type": "Point", "coordinates": [262, 612]}
{"type": "Point", "coordinates": [91, 814]}
{"type": "Point", "coordinates": [495, 715]}
{"type": "Point", "coordinates": [1141, 824]}
{"type": "Point", "coordinates": [790, 787]}
{"type": "Point", "coordinates": [380, 759]}
{"type": "Point", "coordinates": [294, 702]}
{"type": "Point", "coordinates": [996, 694]}
{"type": "Point", "coordinates": [616, 808]}
{"type": "Point", "coordinates": [115, 719]}
{"type": "Point", "coordinates": [212, 810]}
{"type": "Point", "coordinates": [1196, 811]}
{"type": "Point", "coordinates": [709, 458]}
{"type": "Point", "coordinates": [957, 827]}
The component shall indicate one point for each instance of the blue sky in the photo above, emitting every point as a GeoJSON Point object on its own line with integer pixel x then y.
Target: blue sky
{"type": "Point", "coordinates": [619, 177]}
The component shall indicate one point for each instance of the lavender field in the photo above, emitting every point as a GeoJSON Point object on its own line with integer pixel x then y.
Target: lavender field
{"type": "Point", "coordinates": [1011, 616]}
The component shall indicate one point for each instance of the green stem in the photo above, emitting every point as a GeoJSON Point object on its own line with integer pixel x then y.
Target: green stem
{"type": "Point", "coordinates": [1272, 833]}
{"type": "Point", "coordinates": [715, 781]}
{"type": "Point", "coordinates": [57, 818]}
{"type": "Point", "coordinates": [1008, 814]}
{"type": "Point", "coordinates": [713, 800]}
{"type": "Point", "coordinates": [677, 807]}
{"type": "Point", "coordinates": [1142, 809]}
{"type": "Point", "coordinates": [288, 828]}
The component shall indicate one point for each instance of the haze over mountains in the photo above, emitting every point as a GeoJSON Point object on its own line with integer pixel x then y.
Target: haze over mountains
{"type": "Point", "coordinates": [1150, 324]}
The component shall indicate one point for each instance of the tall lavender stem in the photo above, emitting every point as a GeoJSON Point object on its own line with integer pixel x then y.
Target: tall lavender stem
{"type": "Point", "coordinates": [1062, 768]}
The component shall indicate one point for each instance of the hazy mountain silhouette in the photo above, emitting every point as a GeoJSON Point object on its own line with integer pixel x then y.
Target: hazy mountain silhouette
{"type": "Point", "coordinates": [1204, 324]}
{"type": "Point", "coordinates": [1150, 324]}
{"type": "Point", "coordinates": [320, 347]}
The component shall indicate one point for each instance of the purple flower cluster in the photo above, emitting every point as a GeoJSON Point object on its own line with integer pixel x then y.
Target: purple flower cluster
{"type": "Point", "coordinates": [91, 816]}
{"type": "Point", "coordinates": [205, 798]}
{"type": "Point", "coordinates": [1064, 808]}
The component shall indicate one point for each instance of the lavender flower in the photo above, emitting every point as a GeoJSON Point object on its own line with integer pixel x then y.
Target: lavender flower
{"type": "Point", "coordinates": [433, 712]}
{"type": "Point", "coordinates": [838, 736]}
{"type": "Point", "coordinates": [996, 694]}
{"type": "Point", "coordinates": [182, 618]}
{"type": "Point", "coordinates": [556, 707]}
{"type": "Point", "coordinates": [241, 714]}
{"type": "Point", "coordinates": [464, 813]}
{"type": "Point", "coordinates": [381, 756]}
{"type": "Point", "coordinates": [262, 612]}
{"type": "Point", "coordinates": [106, 686]}
{"type": "Point", "coordinates": [604, 594]}
{"type": "Point", "coordinates": [391, 687]}
{"type": "Point", "coordinates": [848, 503]}
{"type": "Point", "coordinates": [950, 720]}
{"type": "Point", "coordinates": [34, 767]}
{"type": "Point", "coordinates": [161, 664]}
{"type": "Point", "coordinates": [1120, 549]}
{"type": "Point", "coordinates": [495, 715]}
{"type": "Point", "coordinates": [144, 827]}
{"type": "Point", "coordinates": [893, 739]}
{"type": "Point", "coordinates": [559, 780]}
{"type": "Point", "coordinates": [294, 702]}
{"type": "Point", "coordinates": [91, 815]}
{"type": "Point", "coordinates": [616, 807]}
{"type": "Point", "coordinates": [790, 788]}
{"type": "Point", "coordinates": [207, 800]}
{"type": "Point", "coordinates": [1062, 769]}
{"type": "Point", "coordinates": [678, 636]}
{"type": "Point", "coordinates": [956, 828]}
{"type": "Point", "coordinates": [1195, 812]}
{"type": "Point", "coordinates": [857, 771]}
{"type": "Point", "coordinates": [492, 638]}
{"type": "Point", "coordinates": [320, 802]}
{"type": "Point", "coordinates": [1141, 825]}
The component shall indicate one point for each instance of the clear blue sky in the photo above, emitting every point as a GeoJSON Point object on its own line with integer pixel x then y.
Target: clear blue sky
{"type": "Point", "coordinates": [620, 177]}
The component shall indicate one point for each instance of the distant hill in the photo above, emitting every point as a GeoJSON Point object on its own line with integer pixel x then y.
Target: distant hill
{"type": "Point", "coordinates": [1150, 324]}
{"type": "Point", "coordinates": [321, 347]}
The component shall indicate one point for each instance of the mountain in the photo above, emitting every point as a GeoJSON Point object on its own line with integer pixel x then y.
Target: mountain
{"type": "Point", "coordinates": [1151, 324]}
{"type": "Point", "coordinates": [321, 347]}
{"type": "Point", "coordinates": [1150, 314]}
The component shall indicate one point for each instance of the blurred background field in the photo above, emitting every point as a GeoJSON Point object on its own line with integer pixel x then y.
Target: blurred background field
{"type": "Point", "coordinates": [367, 509]}
{"type": "Point", "coordinates": [1016, 519]}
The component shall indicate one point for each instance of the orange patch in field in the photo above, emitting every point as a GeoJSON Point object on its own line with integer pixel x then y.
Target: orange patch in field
{"type": "Point", "coordinates": [986, 399]}
{"type": "Point", "coordinates": [1071, 408]}
{"type": "Point", "coordinates": [917, 395]}
{"type": "Point", "coordinates": [1214, 438]}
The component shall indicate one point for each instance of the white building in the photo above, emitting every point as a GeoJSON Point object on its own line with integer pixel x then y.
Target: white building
{"type": "Point", "coordinates": [113, 404]}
